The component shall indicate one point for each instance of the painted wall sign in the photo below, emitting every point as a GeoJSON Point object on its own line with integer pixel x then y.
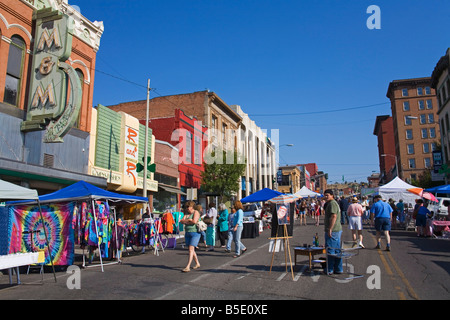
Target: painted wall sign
{"type": "Point", "coordinates": [131, 152]}
{"type": "Point", "coordinates": [55, 88]}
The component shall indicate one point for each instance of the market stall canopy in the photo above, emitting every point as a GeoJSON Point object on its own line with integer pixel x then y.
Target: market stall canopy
{"type": "Point", "coordinates": [284, 198]}
{"type": "Point", "coordinates": [423, 194]}
{"type": "Point", "coordinates": [11, 191]}
{"type": "Point", "coordinates": [304, 192]}
{"type": "Point", "coordinates": [261, 195]}
{"type": "Point", "coordinates": [398, 189]}
{"type": "Point", "coordinates": [83, 190]}
{"type": "Point", "coordinates": [439, 189]}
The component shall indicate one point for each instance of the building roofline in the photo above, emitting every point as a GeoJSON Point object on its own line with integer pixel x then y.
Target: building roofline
{"type": "Point", "coordinates": [442, 65]}
{"type": "Point", "coordinates": [406, 82]}
{"type": "Point", "coordinates": [378, 123]}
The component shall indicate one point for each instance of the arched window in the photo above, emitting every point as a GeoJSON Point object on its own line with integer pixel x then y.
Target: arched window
{"type": "Point", "coordinates": [81, 76]}
{"type": "Point", "coordinates": [14, 70]}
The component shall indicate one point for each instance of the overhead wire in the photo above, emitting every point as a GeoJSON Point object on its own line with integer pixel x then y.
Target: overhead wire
{"type": "Point", "coordinates": [318, 112]}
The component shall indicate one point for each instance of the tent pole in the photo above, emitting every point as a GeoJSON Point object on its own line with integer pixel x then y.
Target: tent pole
{"type": "Point", "coordinates": [115, 227]}
{"type": "Point", "coordinates": [96, 231]}
{"type": "Point", "coordinates": [46, 238]}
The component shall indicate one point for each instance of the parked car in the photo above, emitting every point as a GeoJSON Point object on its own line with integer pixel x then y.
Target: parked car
{"type": "Point", "coordinates": [439, 208]}
{"type": "Point", "coordinates": [253, 210]}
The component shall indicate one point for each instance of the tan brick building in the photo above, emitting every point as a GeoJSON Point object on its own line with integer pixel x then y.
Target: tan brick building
{"type": "Point", "coordinates": [416, 130]}
{"type": "Point", "coordinates": [206, 106]}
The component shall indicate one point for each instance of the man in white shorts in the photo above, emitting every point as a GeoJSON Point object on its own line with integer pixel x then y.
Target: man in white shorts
{"type": "Point", "coordinates": [355, 212]}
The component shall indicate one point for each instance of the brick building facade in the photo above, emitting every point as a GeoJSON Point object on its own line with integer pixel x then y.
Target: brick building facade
{"type": "Point", "coordinates": [441, 83]}
{"type": "Point", "coordinates": [384, 130]}
{"type": "Point", "coordinates": [189, 137]}
{"type": "Point", "coordinates": [415, 120]}
{"type": "Point", "coordinates": [24, 158]}
{"type": "Point", "coordinates": [207, 107]}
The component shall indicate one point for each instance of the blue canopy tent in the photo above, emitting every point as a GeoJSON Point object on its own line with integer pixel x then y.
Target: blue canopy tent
{"type": "Point", "coordinates": [84, 191]}
{"type": "Point", "coordinates": [261, 195]}
{"type": "Point", "coordinates": [439, 189]}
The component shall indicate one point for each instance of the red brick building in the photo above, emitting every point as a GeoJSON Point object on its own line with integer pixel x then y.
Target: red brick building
{"type": "Point", "coordinates": [384, 130]}
{"type": "Point", "coordinates": [25, 158]}
{"type": "Point", "coordinates": [189, 137]}
{"type": "Point", "coordinates": [16, 30]}
{"type": "Point", "coordinates": [168, 195]}
{"type": "Point", "coordinates": [190, 116]}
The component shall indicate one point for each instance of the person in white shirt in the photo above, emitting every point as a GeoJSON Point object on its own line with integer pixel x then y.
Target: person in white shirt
{"type": "Point", "coordinates": [355, 212]}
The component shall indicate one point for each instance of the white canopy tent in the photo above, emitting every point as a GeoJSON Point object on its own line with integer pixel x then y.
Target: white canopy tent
{"type": "Point", "coordinates": [398, 189]}
{"type": "Point", "coordinates": [11, 191]}
{"type": "Point", "coordinates": [304, 192]}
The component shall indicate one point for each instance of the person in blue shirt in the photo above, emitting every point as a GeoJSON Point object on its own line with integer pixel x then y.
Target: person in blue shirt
{"type": "Point", "coordinates": [381, 212]}
{"type": "Point", "coordinates": [421, 218]}
{"type": "Point", "coordinates": [238, 226]}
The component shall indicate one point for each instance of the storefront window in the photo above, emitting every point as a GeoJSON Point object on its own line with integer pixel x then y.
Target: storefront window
{"type": "Point", "coordinates": [163, 200]}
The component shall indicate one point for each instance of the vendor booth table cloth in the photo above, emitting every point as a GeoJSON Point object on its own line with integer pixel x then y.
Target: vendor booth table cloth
{"type": "Point", "coordinates": [27, 231]}
{"type": "Point", "coordinates": [250, 230]}
{"type": "Point", "coordinates": [18, 259]}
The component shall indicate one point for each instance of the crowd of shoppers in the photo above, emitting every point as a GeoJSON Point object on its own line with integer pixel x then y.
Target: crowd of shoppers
{"type": "Point", "coordinates": [227, 226]}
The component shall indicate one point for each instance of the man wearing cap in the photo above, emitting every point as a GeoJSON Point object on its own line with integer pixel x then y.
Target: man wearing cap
{"type": "Point", "coordinates": [333, 232]}
{"type": "Point", "coordinates": [382, 212]}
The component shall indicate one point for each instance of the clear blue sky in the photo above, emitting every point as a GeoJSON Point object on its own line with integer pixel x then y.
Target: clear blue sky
{"type": "Point", "coordinates": [291, 65]}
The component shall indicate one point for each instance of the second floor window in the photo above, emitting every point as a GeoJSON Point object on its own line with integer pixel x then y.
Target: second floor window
{"type": "Point", "coordinates": [14, 70]}
{"type": "Point", "coordinates": [197, 150]}
{"type": "Point", "coordinates": [188, 147]}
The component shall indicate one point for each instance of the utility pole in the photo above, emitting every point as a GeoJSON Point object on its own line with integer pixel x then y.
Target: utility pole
{"type": "Point", "coordinates": [144, 189]}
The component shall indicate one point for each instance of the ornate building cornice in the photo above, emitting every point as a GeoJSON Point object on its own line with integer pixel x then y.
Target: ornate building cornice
{"type": "Point", "coordinates": [85, 30]}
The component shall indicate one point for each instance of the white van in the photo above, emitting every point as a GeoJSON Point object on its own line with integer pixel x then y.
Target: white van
{"type": "Point", "coordinates": [438, 208]}
{"type": "Point", "coordinates": [253, 210]}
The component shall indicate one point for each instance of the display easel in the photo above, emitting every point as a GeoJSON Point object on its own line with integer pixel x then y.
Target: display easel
{"type": "Point", "coordinates": [287, 249]}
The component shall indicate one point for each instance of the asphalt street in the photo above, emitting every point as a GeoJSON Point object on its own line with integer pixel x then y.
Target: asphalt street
{"type": "Point", "coordinates": [415, 269]}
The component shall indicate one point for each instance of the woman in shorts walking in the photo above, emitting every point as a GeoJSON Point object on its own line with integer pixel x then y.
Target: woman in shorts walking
{"type": "Point", "coordinates": [191, 236]}
{"type": "Point", "coordinates": [355, 212]}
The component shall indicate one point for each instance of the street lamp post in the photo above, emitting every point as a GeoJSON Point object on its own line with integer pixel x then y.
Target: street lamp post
{"type": "Point", "coordinates": [146, 151]}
